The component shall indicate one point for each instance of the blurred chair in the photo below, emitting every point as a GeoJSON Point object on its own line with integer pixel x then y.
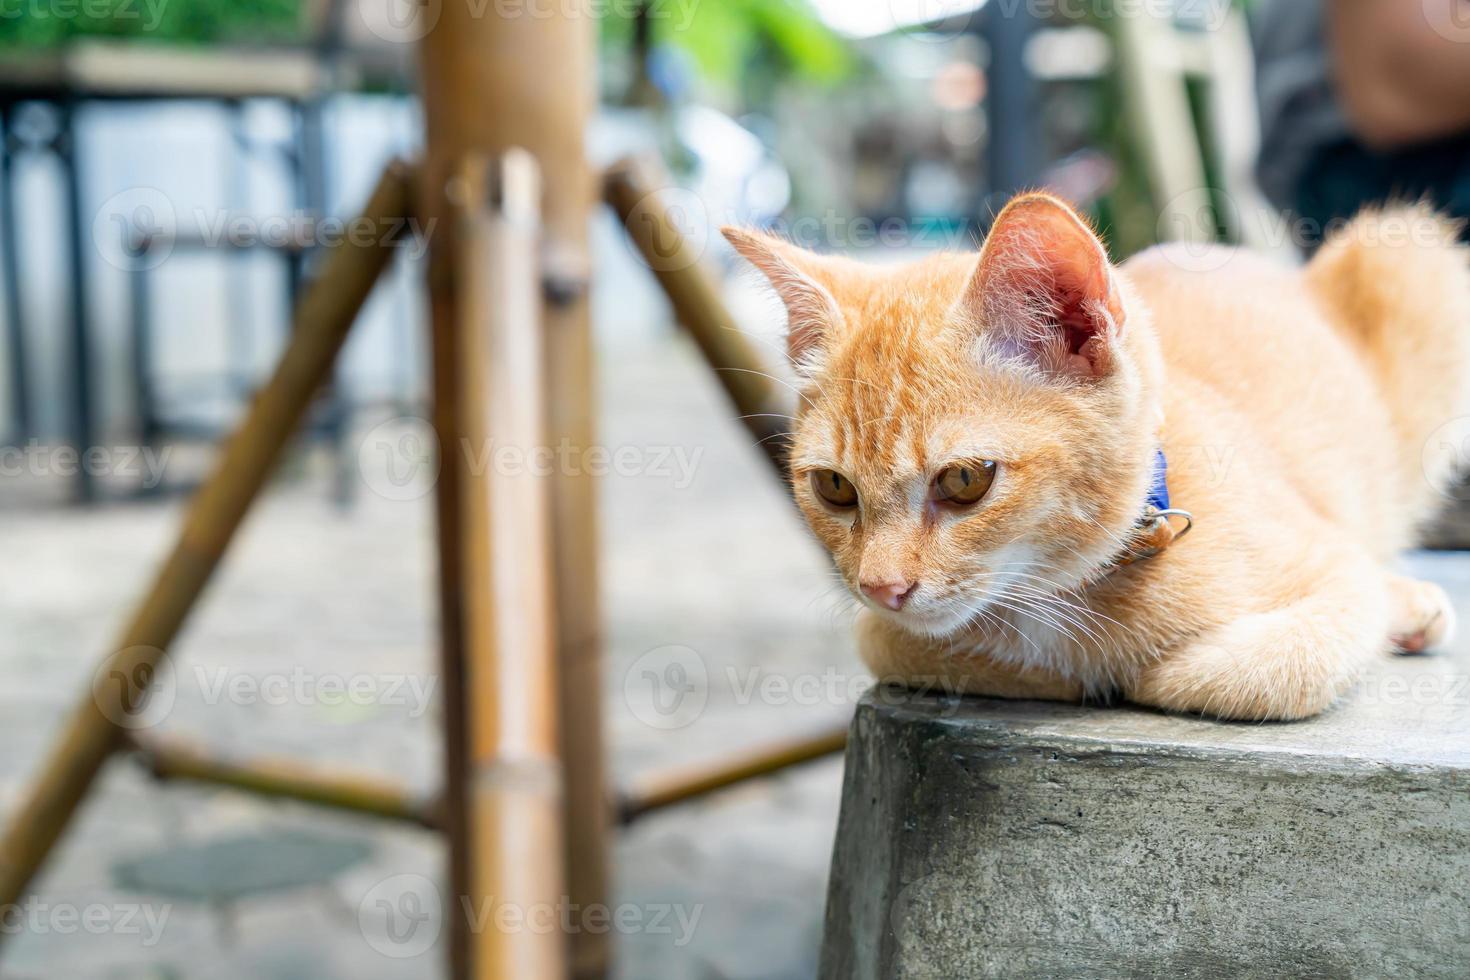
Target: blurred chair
{"type": "Point", "coordinates": [337, 53]}
{"type": "Point", "coordinates": [1198, 154]}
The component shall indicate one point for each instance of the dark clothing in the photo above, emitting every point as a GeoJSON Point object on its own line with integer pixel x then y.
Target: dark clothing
{"type": "Point", "coordinates": [1340, 178]}
{"type": "Point", "coordinates": [1311, 166]}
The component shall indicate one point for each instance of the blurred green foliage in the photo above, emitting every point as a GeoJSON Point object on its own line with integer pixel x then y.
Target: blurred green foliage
{"type": "Point", "coordinates": [46, 23]}
{"type": "Point", "coordinates": [737, 44]}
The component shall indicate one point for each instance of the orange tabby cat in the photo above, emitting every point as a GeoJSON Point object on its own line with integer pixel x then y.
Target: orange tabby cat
{"type": "Point", "coordinates": [978, 444]}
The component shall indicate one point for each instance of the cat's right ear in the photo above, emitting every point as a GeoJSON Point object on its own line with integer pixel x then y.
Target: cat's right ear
{"type": "Point", "coordinates": [811, 311]}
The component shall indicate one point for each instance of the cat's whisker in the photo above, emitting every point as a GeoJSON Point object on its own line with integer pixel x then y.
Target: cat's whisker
{"type": "Point", "coordinates": [1009, 625]}
{"type": "Point", "coordinates": [774, 435]}
{"type": "Point", "coordinates": [769, 377]}
{"type": "Point", "coordinates": [1057, 606]}
{"type": "Point", "coordinates": [864, 425]}
{"type": "Point", "coordinates": [856, 381]}
{"type": "Point", "coordinates": [775, 347]}
{"type": "Point", "coordinates": [1069, 624]}
{"type": "Point", "coordinates": [1006, 601]}
{"type": "Point", "coordinates": [1077, 603]}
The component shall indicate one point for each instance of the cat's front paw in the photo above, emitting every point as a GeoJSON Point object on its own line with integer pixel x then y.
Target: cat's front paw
{"type": "Point", "coordinates": [1273, 666]}
{"type": "Point", "coordinates": [1423, 618]}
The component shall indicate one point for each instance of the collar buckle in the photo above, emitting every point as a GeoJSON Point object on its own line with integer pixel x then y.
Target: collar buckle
{"type": "Point", "coordinates": [1154, 533]}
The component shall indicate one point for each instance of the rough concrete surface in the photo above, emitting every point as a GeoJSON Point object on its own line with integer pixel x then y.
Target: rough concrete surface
{"type": "Point", "coordinates": [993, 839]}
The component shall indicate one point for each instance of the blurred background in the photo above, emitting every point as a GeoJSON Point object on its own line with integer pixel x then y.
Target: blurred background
{"type": "Point", "coordinates": [173, 171]}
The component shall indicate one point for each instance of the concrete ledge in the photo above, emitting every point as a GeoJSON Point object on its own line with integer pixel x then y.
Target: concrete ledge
{"type": "Point", "coordinates": [994, 839]}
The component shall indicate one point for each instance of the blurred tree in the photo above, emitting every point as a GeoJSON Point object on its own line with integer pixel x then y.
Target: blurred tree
{"type": "Point", "coordinates": [743, 49]}
{"type": "Point", "coordinates": [47, 23]}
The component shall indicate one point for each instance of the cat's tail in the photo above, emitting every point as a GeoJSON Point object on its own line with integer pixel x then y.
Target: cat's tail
{"type": "Point", "coordinates": [1397, 281]}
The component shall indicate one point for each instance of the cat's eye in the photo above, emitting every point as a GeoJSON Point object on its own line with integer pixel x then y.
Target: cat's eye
{"type": "Point", "coordinates": [834, 488]}
{"type": "Point", "coordinates": [964, 485]}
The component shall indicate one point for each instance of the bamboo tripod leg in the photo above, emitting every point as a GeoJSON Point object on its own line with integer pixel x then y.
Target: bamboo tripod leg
{"type": "Point", "coordinates": [513, 790]}
{"type": "Point", "coordinates": [571, 399]}
{"type": "Point", "coordinates": [635, 190]}
{"type": "Point", "coordinates": [486, 88]}
{"type": "Point", "coordinates": [93, 731]}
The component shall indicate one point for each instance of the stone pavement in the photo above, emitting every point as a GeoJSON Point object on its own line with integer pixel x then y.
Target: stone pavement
{"type": "Point", "coordinates": [723, 629]}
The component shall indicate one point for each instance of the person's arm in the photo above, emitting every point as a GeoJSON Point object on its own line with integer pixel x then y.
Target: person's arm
{"type": "Point", "coordinates": [1402, 67]}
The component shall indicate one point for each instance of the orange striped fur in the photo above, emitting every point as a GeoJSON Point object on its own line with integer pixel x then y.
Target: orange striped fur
{"type": "Point", "coordinates": [1294, 406]}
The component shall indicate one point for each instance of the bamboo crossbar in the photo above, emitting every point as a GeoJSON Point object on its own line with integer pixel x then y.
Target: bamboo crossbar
{"type": "Point", "coordinates": [661, 790]}
{"type": "Point", "coordinates": [286, 779]}
{"type": "Point", "coordinates": [322, 322]}
{"type": "Point", "coordinates": [171, 759]}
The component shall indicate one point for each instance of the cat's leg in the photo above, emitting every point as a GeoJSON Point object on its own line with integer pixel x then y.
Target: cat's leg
{"type": "Point", "coordinates": [1423, 618]}
{"type": "Point", "coordinates": [895, 656]}
{"type": "Point", "coordinates": [1282, 664]}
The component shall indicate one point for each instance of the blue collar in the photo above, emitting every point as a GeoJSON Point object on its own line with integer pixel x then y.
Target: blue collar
{"type": "Point", "coordinates": [1159, 526]}
{"type": "Point", "coordinates": [1158, 490]}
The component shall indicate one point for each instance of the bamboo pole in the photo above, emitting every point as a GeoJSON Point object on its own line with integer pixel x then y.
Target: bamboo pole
{"type": "Point", "coordinates": [323, 320]}
{"type": "Point", "coordinates": [665, 789]}
{"type": "Point", "coordinates": [514, 777]}
{"type": "Point", "coordinates": [491, 83]}
{"type": "Point", "coordinates": [169, 759]}
{"type": "Point", "coordinates": [635, 188]}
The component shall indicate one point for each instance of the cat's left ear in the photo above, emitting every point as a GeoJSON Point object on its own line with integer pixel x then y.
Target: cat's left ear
{"type": "Point", "coordinates": [1045, 290]}
{"type": "Point", "coordinates": [811, 311]}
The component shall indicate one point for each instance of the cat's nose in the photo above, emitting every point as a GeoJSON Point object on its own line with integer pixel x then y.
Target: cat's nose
{"type": "Point", "coordinates": [891, 594]}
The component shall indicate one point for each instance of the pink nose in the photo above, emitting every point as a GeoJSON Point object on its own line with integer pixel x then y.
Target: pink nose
{"type": "Point", "coordinates": [891, 594]}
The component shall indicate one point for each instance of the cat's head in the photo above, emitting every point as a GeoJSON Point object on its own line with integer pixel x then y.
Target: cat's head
{"type": "Point", "coordinates": [969, 428]}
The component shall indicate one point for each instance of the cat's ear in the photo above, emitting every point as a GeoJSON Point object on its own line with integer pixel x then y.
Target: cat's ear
{"type": "Point", "coordinates": [1045, 290]}
{"type": "Point", "coordinates": [811, 311]}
